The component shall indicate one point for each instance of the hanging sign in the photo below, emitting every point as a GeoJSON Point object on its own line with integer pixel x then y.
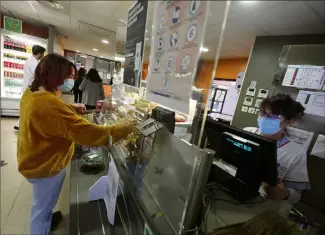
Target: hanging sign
{"type": "Point", "coordinates": [13, 25]}
{"type": "Point", "coordinates": [135, 38]}
{"type": "Point", "coordinates": [178, 33]}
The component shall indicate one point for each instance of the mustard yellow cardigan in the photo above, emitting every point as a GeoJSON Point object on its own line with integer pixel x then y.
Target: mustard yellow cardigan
{"type": "Point", "coordinates": [49, 128]}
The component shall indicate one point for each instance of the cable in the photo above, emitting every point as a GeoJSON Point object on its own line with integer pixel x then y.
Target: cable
{"type": "Point", "coordinates": [239, 203]}
{"type": "Point", "coordinates": [211, 194]}
{"type": "Point", "coordinates": [202, 224]}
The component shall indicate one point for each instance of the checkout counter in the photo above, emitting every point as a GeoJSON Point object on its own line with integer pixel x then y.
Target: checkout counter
{"type": "Point", "coordinates": [160, 192]}
{"type": "Point", "coordinates": [163, 192]}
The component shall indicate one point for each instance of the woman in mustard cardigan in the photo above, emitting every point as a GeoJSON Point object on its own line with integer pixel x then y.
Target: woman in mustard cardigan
{"type": "Point", "coordinates": [48, 130]}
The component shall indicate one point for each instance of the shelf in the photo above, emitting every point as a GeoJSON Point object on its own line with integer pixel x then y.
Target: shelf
{"type": "Point", "coordinates": [6, 59]}
{"type": "Point", "coordinates": [13, 70]}
{"type": "Point", "coordinates": [13, 82]}
{"type": "Point", "coordinates": [16, 79]}
{"type": "Point", "coordinates": [10, 51]}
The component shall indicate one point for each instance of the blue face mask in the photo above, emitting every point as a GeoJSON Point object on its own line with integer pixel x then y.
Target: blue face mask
{"type": "Point", "coordinates": [67, 85]}
{"type": "Point", "coordinates": [269, 126]}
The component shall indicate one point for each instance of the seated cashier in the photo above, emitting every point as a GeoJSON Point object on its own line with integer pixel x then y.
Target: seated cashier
{"type": "Point", "coordinates": [276, 113]}
{"type": "Point", "coordinates": [48, 130]}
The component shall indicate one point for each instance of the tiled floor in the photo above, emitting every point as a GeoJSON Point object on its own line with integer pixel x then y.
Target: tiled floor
{"type": "Point", "coordinates": [16, 192]}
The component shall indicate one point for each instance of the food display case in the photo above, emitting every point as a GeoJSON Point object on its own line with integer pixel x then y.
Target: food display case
{"type": "Point", "coordinates": [15, 50]}
{"type": "Point", "coordinates": [164, 179]}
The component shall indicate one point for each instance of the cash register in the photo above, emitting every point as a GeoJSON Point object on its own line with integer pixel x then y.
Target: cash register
{"type": "Point", "coordinates": [253, 159]}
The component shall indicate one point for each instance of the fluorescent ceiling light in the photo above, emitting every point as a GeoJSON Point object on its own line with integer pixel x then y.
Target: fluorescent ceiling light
{"type": "Point", "coordinates": [204, 49]}
{"type": "Point", "coordinates": [77, 51]}
{"type": "Point", "coordinates": [105, 41]}
{"type": "Point", "coordinates": [118, 58]}
{"type": "Point", "coordinates": [94, 49]}
{"type": "Point", "coordinates": [249, 2]}
{"type": "Point", "coordinates": [23, 39]}
{"type": "Point", "coordinates": [32, 5]}
{"type": "Point", "coordinates": [100, 56]}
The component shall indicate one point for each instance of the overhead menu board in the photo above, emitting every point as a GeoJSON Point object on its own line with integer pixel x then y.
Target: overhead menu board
{"type": "Point", "coordinates": [178, 31]}
{"type": "Point", "coordinates": [304, 76]}
{"type": "Point", "coordinates": [135, 35]}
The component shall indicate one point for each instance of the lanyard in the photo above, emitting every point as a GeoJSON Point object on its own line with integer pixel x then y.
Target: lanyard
{"type": "Point", "coordinates": [282, 142]}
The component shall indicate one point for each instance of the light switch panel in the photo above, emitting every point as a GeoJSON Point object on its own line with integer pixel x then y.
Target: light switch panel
{"type": "Point", "coordinates": [251, 110]}
{"type": "Point", "coordinates": [258, 103]}
{"type": "Point", "coordinates": [263, 93]}
{"type": "Point", "coordinates": [248, 101]}
{"type": "Point", "coordinates": [244, 109]}
{"type": "Point", "coordinates": [251, 91]}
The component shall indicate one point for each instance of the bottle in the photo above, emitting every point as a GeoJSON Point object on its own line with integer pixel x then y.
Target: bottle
{"type": "Point", "coordinates": [24, 47]}
{"type": "Point", "coordinates": [9, 44]}
{"type": "Point", "coordinates": [19, 47]}
{"type": "Point", "coordinates": [5, 44]}
{"type": "Point", "coordinates": [16, 46]}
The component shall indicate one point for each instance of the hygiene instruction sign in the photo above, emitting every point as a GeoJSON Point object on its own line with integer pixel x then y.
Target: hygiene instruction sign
{"type": "Point", "coordinates": [177, 36]}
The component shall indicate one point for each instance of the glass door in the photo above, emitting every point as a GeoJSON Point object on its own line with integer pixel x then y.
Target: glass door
{"type": "Point", "coordinates": [216, 103]}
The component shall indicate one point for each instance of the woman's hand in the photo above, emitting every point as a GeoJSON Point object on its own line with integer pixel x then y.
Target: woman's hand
{"type": "Point", "coordinates": [123, 128]}
{"type": "Point", "coordinates": [278, 193]}
{"type": "Point", "coordinates": [79, 108]}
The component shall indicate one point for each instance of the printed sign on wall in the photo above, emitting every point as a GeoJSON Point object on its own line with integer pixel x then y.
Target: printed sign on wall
{"type": "Point", "coordinates": [134, 47]}
{"type": "Point", "coordinates": [178, 32]}
{"type": "Point", "coordinates": [12, 24]}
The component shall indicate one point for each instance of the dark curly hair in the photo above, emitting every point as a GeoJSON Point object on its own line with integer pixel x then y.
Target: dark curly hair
{"type": "Point", "coordinates": [282, 104]}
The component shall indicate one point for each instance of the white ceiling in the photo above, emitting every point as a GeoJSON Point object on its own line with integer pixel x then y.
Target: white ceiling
{"type": "Point", "coordinates": [246, 20]}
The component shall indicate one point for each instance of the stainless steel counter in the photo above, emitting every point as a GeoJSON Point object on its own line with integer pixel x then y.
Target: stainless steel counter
{"type": "Point", "coordinates": [88, 217]}
{"type": "Point", "coordinates": [91, 217]}
{"type": "Point", "coordinates": [164, 193]}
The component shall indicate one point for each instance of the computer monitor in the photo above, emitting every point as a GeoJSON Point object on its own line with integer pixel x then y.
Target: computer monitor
{"type": "Point", "coordinates": [254, 156]}
{"type": "Point", "coordinates": [165, 117]}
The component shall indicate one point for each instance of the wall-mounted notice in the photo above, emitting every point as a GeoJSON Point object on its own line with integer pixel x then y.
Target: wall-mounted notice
{"type": "Point", "coordinates": [178, 30]}
{"type": "Point", "coordinates": [136, 28]}
{"type": "Point", "coordinates": [314, 102]}
{"type": "Point", "coordinates": [319, 147]}
{"type": "Point", "coordinates": [304, 76]}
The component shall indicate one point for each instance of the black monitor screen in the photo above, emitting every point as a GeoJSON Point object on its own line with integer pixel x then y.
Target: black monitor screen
{"type": "Point", "coordinates": [236, 148]}
{"type": "Point", "coordinates": [165, 117]}
{"type": "Point", "coordinates": [243, 149]}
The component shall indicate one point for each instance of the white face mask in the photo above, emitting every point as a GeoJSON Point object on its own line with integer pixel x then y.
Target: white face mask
{"type": "Point", "coordinates": [67, 85]}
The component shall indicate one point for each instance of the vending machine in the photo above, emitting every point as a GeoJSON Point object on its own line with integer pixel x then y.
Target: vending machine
{"type": "Point", "coordinates": [15, 50]}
